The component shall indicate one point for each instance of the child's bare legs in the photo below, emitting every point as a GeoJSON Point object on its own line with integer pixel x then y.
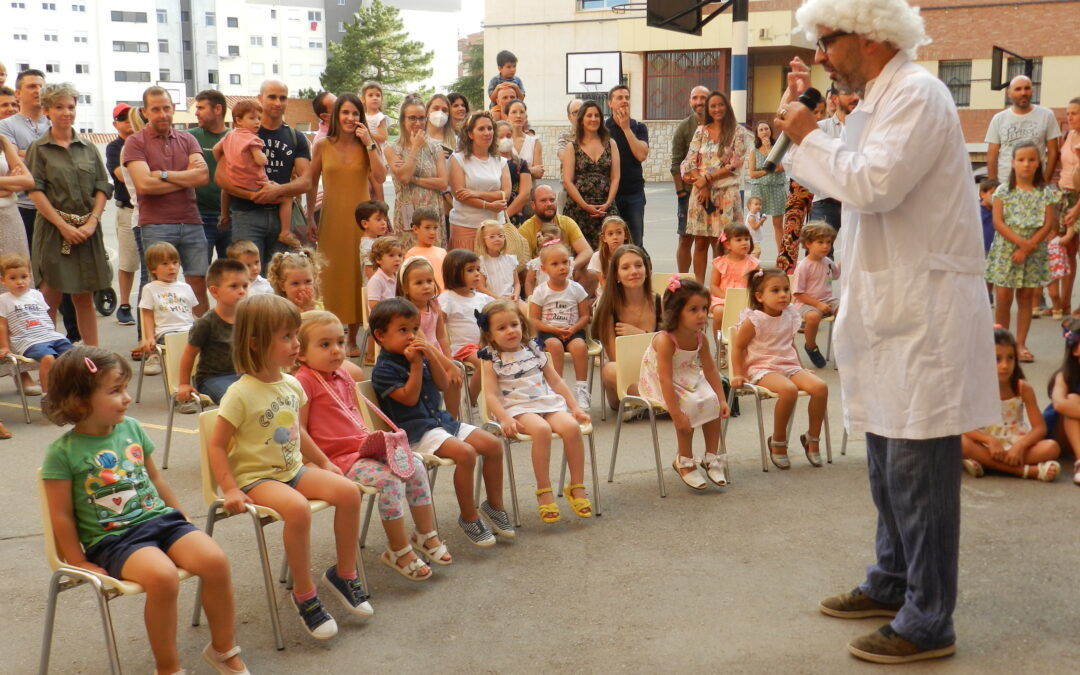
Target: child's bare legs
{"type": "Point", "coordinates": [1053, 289]}
{"type": "Point", "coordinates": [1003, 299]}
{"type": "Point", "coordinates": [452, 398]}
{"type": "Point", "coordinates": [342, 494]}
{"type": "Point", "coordinates": [285, 236]}
{"type": "Point", "coordinates": [717, 316]}
{"type": "Point", "coordinates": [1043, 451]}
{"type": "Point", "coordinates": [474, 381]}
{"type": "Point", "coordinates": [554, 347]}
{"type": "Point", "coordinates": [811, 322]}
{"type": "Point", "coordinates": [352, 333]}
{"type": "Point", "coordinates": [155, 572]}
{"type": "Point", "coordinates": [787, 391]}
{"type": "Point", "coordinates": [1025, 302]}
{"type": "Point", "coordinates": [608, 379]}
{"type": "Point", "coordinates": [464, 456]}
{"type": "Point", "coordinates": [819, 401]}
{"type": "Point", "coordinates": [296, 533]}
{"type": "Point", "coordinates": [579, 352]}
{"type": "Point", "coordinates": [43, 371]}
{"type": "Point", "coordinates": [711, 432]}
{"type": "Point", "coordinates": [491, 449]}
{"type": "Point", "coordinates": [541, 431]}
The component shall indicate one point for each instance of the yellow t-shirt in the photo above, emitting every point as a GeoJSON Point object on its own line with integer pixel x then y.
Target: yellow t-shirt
{"type": "Point", "coordinates": [267, 420]}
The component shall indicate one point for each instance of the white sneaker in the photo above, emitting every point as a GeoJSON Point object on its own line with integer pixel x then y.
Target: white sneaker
{"type": "Point", "coordinates": [153, 365]}
{"type": "Point", "coordinates": [582, 396]}
{"type": "Point", "coordinates": [631, 414]}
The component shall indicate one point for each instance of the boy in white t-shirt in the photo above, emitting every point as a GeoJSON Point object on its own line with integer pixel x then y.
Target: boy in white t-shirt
{"type": "Point", "coordinates": [25, 325]}
{"type": "Point", "coordinates": [559, 310]}
{"type": "Point", "coordinates": [166, 304]}
{"type": "Point", "coordinates": [247, 252]}
{"type": "Point", "coordinates": [812, 284]}
{"type": "Point", "coordinates": [754, 220]}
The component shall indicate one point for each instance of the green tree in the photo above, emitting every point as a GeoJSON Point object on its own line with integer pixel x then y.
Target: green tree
{"type": "Point", "coordinates": [305, 93]}
{"type": "Point", "coordinates": [377, 47]}
{"type": "Point", "coordinates": [471, 84]}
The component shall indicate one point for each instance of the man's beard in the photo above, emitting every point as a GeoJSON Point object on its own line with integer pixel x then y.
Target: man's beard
{"type": "Point", "coordinates": [547, 217]}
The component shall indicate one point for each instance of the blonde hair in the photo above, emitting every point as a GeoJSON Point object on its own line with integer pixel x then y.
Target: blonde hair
{"type": "Point", "coordinates": [13, 261]}
{"type": "Point", "coordinates": [258, 319]}
{"type": "Point", "coordinates": [478, 244]}
{"type": "Point", "coordinates": [161, 252]}
{"type": "Point", "coordinates": [242, 247]}
{"type": "Point", "coordinates": [284, 262]}
{"type": "Point", "coordinates": [311, 320]}
{"type": "Point", "coordinates": [493, 308]}
{"type": "Point", "coordinates": [383, 246]}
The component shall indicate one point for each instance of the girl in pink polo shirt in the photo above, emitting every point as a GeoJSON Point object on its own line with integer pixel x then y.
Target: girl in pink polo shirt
{"type": "Point", "coordinates": [333, 419]}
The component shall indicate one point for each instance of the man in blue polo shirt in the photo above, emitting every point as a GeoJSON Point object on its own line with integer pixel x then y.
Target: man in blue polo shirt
{"type": "Point", "coordinates": [632, 138]}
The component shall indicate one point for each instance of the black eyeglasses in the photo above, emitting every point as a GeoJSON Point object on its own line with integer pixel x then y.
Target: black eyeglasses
{"type": "Point", "coordinates": [824, 41]}
{"type": "Point", "coordinates": [415, 118]}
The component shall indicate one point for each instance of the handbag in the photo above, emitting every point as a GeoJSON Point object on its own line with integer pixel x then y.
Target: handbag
{"type": "Point", "coordinates": [390, 447]}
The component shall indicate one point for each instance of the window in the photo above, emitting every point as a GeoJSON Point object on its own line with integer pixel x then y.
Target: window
{"type": "Point", "coordinates": [273, 43]}
{"type": "Point", "coordinates": [130, 46]}
{"type": "Point", "coordinates": [957, 77]}
{"type": "Point", "coordinates": [669, 76]}
{"type": "Point", "coordinates": [258, 69]}
{"type": "Point", "coordinates": [212, 76]}
{"type": "Point", "coordinates": [84, 98]}
{"type": "Point", "coordinates": [19, 36]}
{"type": "Point", "coordinates": [188, 74]}
{"type": "Point", "coordinates": [163, 16]}
{"type": "Point", "coordinates": [18, 5]}
{"type": "Point", "coordinates": [129, 17]}
{"type": "Point", "coordinates": [52, 67]}
{"type": "Point", "coordinates": [49, 6]}
{"type": "Point", "coordinates": [275, 68]}
{"type": "Point", "coordinates": [314, 16]}
{"type": "Point", "coordinates": [187, 45]}
{"type": "Point", "coordinates": [256, 41]}
{"type": "Point", "coordinates": [211, 19]}
{"type": "Point", "coordinates": [131, 76]}
{"type": "Point", "coordinates": [211, 47]}
{"type": "Point", "coordinates": [294, 43]}
{"type": "Point", "coordinates": [165, 74]}
{"type": "Point", "coordinates": [234, 50]}
{"type": "Point", "coordinates": [341, 26]}
{"type": "Point", "coordinates": [19, 67]}
{"type": "Point", "coordinates": [315, 44]}
{"type": "Point", "coordinates": [80, 38]}
{"type": "Point", "coordinates": [1016, 67]}
{"type": "Point", "coordinates": [585, 5]}
{"type": "Point", "coordinates": [273, 13]}
{"type": "Point", "coordinates": [78, 8]}
{"type": "Point", "coordinates": [340, 3]}
{"type": "Point", "coordinates": [316, 70]}
{"type": "Point", "coordinates": [234, 79]}
{"type": "Point", "coordinates": [163, 46]}
{"type": "Point", "coordinates": [82, 68]}
{"type": "Point", "coordinates": [232, 22]}
{"type": "Point", "coordinates": [185, 17]}
{"type": "Point", "coordinates": [296, 69]}
{"type": "Point", "coordinates": [52, 37]}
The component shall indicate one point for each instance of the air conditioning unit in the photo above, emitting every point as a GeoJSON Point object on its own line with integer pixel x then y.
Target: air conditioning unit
{"type": "Point", "coordinates": [763, 34]}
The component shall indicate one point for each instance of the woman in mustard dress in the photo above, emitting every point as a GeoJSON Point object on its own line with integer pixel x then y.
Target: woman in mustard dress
{"type": "Point", "coordinates": [345, 159]}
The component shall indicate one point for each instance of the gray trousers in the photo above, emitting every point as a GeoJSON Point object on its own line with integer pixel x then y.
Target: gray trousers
{"type": "Point", "coordinates": [916, 488]}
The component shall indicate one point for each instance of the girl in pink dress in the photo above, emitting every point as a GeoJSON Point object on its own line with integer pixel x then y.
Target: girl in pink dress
{"type": "Point", "coordinates": [763, 354]}
{"type": "Point", "coordinates": [729, 270]}
{"type": "Point", "coordinates": [678, 373]}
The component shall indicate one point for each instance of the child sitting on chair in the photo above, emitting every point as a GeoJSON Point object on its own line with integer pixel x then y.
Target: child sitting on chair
{"type": "Point", "coordinates": [25, 324]}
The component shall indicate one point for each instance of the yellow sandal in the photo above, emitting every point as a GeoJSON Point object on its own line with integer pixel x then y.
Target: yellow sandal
{"type": "Point", "coordinates": [581, 506]}
{"type": "Point", "coordinates": [549, 513]}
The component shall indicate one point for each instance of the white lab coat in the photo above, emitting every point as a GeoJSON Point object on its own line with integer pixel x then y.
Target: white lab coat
{"type": "Point", "coordinates": [914, 340]}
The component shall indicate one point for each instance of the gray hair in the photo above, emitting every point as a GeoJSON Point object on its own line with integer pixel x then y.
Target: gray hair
{"type": "Point", "coordinates": [892, 21]}
{"type": "Point", "coordinates": [55, 92]}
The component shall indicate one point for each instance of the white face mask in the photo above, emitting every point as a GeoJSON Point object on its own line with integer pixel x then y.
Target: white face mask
{"type": "Point", "coordinates": [506, 145]}
{"type": "Point", "coordinates": [437, 118]}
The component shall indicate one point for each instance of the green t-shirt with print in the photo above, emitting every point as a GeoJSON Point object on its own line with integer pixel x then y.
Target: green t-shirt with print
{"type": "Point", "coordinates": [111, 489]}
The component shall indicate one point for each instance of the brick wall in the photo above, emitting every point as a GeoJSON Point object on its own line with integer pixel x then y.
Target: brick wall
{"type": "Point", "coordinates": [1028, 28]}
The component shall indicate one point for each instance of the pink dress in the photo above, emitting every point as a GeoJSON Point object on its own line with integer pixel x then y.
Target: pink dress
{"type": "Point", "coordinates": [697, 400]}
{"type": "Point", "coordinates": [773, 348]}
{"type": "Point", "coordinates": [429, 322]}
{"type": "Point", "coordinates": [732, 274]}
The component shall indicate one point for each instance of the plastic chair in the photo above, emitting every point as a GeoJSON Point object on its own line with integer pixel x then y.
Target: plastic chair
{"type": "Point", "coordinates": [65, 577]}
{"type": "Point", "coordinates": [160, 351]}
{"type": "Point", "coordinates": [261, 516]}
{"type": "Point", "coordinates": [761, 393]}
{"type": "Point", "coordinates": [363, 332]}
{"type": "Point", "coordinates": [629, 352]}
{"type": "Point", "coordinates": [660, 280]}
{"type": "Point", "coordinates": [174, 350]}
{"type": "Point", "coordinates": [15, 365]}
{"type": "Point", "coordinates": [586, 431]}
{"type": "Point", "coordinates": [735, 301]}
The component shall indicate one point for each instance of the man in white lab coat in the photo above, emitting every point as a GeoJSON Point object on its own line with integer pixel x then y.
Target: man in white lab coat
{"type": "Point", "coordinates": [913, 338]}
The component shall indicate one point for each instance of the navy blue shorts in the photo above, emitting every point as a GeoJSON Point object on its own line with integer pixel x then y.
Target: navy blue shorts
{"type": "Point", "coordinates": [50, 348]}
{"type": "Point", "coordinates": [161, 532]}
{"type": "Point", "coordinates": [544, 337]}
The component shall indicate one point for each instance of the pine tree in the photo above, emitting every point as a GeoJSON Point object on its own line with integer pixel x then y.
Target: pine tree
{"type": "Point", "coordinates": [471, 84]}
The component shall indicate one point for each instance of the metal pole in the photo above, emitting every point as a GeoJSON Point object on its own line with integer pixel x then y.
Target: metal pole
{"type": "Point", "coordinates": [740, 39]}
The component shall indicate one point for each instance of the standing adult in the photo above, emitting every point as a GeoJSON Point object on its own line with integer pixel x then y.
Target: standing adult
{"type": "Point", "coordinates": [1022, 121]}
{"type": "Point", "coordinates": [459, 110]}
{"type": "Point", "coordinates": [9, 105]}
{"type": "Point", "coordinates": [712, 166]}
{"type": "Point", "coordinates": [544, 212]}
{"type": "Point", "coordinates": [14, 177]}
{"type": "Point", "coordinates": [572, 109]}
{"type": "Point", "coordinates": [345, 159]}
{"type": "Point", "coordinates": [768, 186]}
{"type": "Point", "coordinates": [680, 145]}
{"type": "Point", "coordinates": [125, 238]}
{"type": "Point", "coordinates": [23, 129]}
{"type": "Point", "coordinates": [913, 337]}
{"type": "Point", "coordinates": [521, 181]}
{"type": "Point", "coordinates": [439, 127]}
{"type": "Point", "coordinates": [210, 110]}
{"type": "Point", "coordinates": [254, 215]}
{"type": "Point", "coordinates": [70, 189]}
{"type": "Point", "coordinates": [1069, 184]}
{"type": "Point", "coordinates": [526, 145]}
{"type": "Point", "coordinates": [418, 167]}
{"type": "Point", "coordinates": [824, 207]}
{"type": "Point", "coordinates": [590, 173]}
{"type": "Point", "coordinates": [479, 181]}
{"type": "Point", "coordinates": [166, 166]}
{"type": "Point", "coordinates": [632, 139]}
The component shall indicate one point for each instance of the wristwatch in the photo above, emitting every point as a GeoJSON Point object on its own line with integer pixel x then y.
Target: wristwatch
{"type": "Point", "coordinates": [163, 175]}
{"type": "Point", "coordinates": [372, 146]}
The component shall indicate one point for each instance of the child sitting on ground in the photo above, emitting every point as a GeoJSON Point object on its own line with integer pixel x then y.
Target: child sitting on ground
{"type": "Point", "coordinates": [559, 311]}
{"type": "Point", "coordinates": [294, 276]}
{"type": "Point", "coordinates": [260, 454]}
{"type": "Point", "coordinates": [247, 252]}
{"type": "Point", "coordinates": [210, 339]}
{"type": "Point", "coordinates": [25, 325]}
{"type": "Point", "coordinates": [426, 222]}
{"type": "Point", "coordinates": [408, 379]}
{"type": "Point", "coordinates": [814, 298]}
{"type": "Point", "coordinates": [246, 163]}
{"type": "Point", "coordinates": [372, 219]}
{"type": "Point", "coordinates": [1018, 445]}
{"type": "Point", "coordinates": [166, 305]}
{"type": "Point", "coordinates": [1062, 416]}
{"type": "Point", "coordinates": [113, 513]}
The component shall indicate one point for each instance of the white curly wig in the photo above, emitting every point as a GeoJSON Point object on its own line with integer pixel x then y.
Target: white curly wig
{"type": "Point", "coordinates": [892, 21]}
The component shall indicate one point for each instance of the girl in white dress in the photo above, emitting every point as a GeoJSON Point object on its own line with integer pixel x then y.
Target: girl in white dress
{"type": "Point", "coordinates": [678, 373]}
{"type": "Point", "coordinates": [526, 395]}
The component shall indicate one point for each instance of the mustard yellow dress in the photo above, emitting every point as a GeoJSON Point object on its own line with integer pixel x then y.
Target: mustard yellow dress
{"type": "Point", "coordinates": [345, 185]}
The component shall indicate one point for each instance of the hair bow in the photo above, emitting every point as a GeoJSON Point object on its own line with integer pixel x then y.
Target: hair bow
{"type": "Point", "coordinates": [759, 273]}
{"type": "Point", "coordinates": [1072, 337]}
{"type": "Point", "coordinates": [998, 326]}
{"type": "Point", "coordinates": [674, 284]}
{"type": "Point", "coordinates": [482, 320]}
{"type": "Point", "coordinates": [723, 237]}
{"type": "Point", "coordinates": [551, 242]}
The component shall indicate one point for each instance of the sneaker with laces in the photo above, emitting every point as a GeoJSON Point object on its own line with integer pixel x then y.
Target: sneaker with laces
{"type": "Point", "coordinates": [816, 357]}
{"type": "Point", "coordinates": [582, 396]}
{"type": "Point", "coordinates": [317, 621]}
{"type": "Point", "coordinates": [885, 646]}
{"type": "Point", "coordinates": [499, 520]}
{"type": "Point", "coordinates": [350, 592]}
{"type": "Point", "coordinates": [124, 316]}
{"type": "Point", "coordinates": [188, 407]}
{"type": "Point", "coordinates": [153, 365]}
{"type": "Point", "coordinates": [477, 532]}
{"type": "Point", "coordinates": [856, 605]}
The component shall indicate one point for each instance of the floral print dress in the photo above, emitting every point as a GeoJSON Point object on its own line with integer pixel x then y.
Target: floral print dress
{"type": "Point", "coordinates": [723, 201]}
{"type": "Point", "coordinates": [410, 196]}
{"type": "Point", "coordinates": [697, 400]}
{"type": "Point", "coordinates": [593, 181]}
{"type": "Point", "coordinates": [1024, 213]}
{"type": "Point", "coordinates": [1014, 423]}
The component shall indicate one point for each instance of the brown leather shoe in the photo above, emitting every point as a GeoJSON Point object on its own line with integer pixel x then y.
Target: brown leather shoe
{"type": "Point", "coordinates": [856, 605]}
{"type": "Point", "coordinates": [885, 646]}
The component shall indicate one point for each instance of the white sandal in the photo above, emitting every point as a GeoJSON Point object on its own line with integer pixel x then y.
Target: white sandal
{"type": "Point", "coordinates": [437, 554]}
{"type": "Point", "coordinates": [781, 461]}
{"type": "Point", "coordinates": [1047, 471]}
{"type": "Point", "coordinates": [692, 479]}
{"type": "Point", "coordinates": [716, 468]}
{"type": "Point", "coordinates": [412, 571]}
{"type": "Point", "coordinates": [217, 660]}
{"type": "Point", "coordinates": [813, 457]}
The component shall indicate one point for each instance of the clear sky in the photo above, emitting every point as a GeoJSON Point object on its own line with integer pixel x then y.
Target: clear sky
{"type": "Point", "coordinates": [440, 31]}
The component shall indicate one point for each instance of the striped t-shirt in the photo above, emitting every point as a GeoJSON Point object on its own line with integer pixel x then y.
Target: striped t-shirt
{"type": "Point", "coordinates": [28, 320]}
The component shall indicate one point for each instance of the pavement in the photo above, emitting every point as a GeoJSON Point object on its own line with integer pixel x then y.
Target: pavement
{"type": "Point", "coordinates": [725, 579]}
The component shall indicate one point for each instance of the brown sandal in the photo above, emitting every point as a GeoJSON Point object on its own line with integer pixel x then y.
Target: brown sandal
{"type": "Point", "coordinates": [5, 433]}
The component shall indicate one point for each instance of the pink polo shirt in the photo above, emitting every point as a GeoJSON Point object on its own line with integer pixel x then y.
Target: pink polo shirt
{"type": "Point", "coordinates": [339, 434]}
{"type": "Point", "coordinates": [169, 152]}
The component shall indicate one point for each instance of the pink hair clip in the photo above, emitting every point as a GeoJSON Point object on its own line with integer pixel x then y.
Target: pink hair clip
{"type": "Point", "coordinates": [759, 273]}
{"type": "Point", "coordinates": [723, 237]}
{"type": "Point", "coordinates": [90, 365]}
{"type": "Point", "coordinates": [551, 242]}
{"type": "Point", "coordinates": [674, 284]}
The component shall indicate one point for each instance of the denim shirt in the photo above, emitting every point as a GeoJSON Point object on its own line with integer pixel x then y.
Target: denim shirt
{"type": "Point", "coordinates": [392, 373]}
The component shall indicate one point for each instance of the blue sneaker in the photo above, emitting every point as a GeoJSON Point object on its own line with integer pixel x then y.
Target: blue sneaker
{"type": "Point", "coordinates": [317, 621]}
{"type": "Point", "coordinates": [816, 357]}
{"type": "Point", "coordinates": [350, 592]}
{"type": "Point", "coordinates": [477, 532]}
{"type": "Point", "coordinates": [499, 520]}
{"type": "Point", "coordinates": [123, 316]}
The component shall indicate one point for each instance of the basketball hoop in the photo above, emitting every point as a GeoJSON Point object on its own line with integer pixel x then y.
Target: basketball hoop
{"type": "Point", "coordinates": [628, 7]}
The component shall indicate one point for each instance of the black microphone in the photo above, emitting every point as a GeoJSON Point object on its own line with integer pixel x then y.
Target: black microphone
{"type": "Point", "coordinates": [811, 98]}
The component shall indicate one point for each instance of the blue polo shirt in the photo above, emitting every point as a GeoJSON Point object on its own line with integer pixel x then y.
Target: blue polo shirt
{"type": "Point", "coordinates": [392, 373]}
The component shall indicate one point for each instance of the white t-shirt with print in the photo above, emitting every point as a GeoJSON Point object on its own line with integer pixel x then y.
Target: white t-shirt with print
{"type": "Point", "coordinates": [172, 304]}
{"type": "Point", "coordinates": [1007, 129]}
{"type": "Point", "coordinates": [559, 308]}
{"type": "Point", "coordinates": [28, 320]}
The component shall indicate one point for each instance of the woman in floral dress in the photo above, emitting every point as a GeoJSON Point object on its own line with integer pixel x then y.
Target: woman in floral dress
{"type": "Point", "coordinates": [419, 170]}
{"type": "Point", "coordinates": [590, 173]}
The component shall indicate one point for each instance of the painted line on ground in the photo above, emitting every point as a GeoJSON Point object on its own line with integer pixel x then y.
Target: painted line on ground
{"type": "Point", "coordinates": [148, 425]}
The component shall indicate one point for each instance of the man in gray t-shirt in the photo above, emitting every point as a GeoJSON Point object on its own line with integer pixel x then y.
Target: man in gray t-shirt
{"type": "Point", "coordinates": [24, 128]}
{"type": "Point", "coordinates": [1022, 121]}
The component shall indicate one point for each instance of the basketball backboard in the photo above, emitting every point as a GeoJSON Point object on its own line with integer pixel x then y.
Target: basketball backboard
{"type": "Point", "coordinates": [999, 69]}
{"type": "Point", "coordinates": [683, 16]}
{"type": "Point", "coordinates": [177, 92]}
{"type": "Point", "coordinates": [592, 72]}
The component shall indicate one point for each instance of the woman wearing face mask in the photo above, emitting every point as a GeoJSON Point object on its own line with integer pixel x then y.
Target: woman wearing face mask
{"type": "Point", "coordinates": [438, 129]}
{"type": "Point", "coordinates": [479, 181]}
{"type": "Point", "coordinates": [418, 168]}
{"type": "Point", "coordinates": [520, 177]}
